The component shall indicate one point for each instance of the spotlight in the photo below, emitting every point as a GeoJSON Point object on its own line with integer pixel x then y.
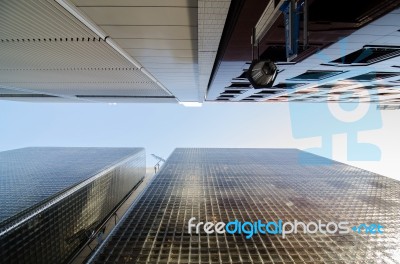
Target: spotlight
{"type": "Point", "coordinates": [262, 73]}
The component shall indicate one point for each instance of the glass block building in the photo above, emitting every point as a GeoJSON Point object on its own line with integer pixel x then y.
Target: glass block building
{"type": "Point", "coordinates": [53, 199]}
{"type": "Point", "coordinates": [223, 185]}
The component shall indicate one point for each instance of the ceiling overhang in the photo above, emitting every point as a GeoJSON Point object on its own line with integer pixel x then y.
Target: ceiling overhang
{"type": "Point", "coordinates": [374, 28]}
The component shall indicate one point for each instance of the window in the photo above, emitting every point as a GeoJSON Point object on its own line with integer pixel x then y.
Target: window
{"type": "Point", "coordinates": [227, 96]}
{"type": "Point", "coordinates": [315, 75]}
{"type": "Point", "coordinates": [374, 76]}
{"type": "Point", "coordinates": [332, 86]}
{"type": "Point", "coordinates": [367, 55]}
{"type": "Point", "coordinates": [255, 96]}
{"type": "Point", "coordinates": [288, 85]}
{"type": "Point", "coordinates": [233, 92]}
{"type": "Point", "coordinates": [268, 92]}
{"type": "Point", "coordinates": [243, 85]}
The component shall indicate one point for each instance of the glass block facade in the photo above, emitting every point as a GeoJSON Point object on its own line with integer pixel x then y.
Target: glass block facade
{"type": "Point", "coordinates": [225, 185]}
{"type": "Point", "coordinates": [54, 198]}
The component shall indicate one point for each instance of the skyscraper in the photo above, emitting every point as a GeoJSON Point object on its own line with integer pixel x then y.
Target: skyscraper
{"type": "Point", "coordinates": [342, 214]}
{"type": "Point", "coordinates": [54, 199]}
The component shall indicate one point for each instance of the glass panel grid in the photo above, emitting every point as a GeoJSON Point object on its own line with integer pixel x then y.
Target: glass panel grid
{"type": "Point", "coordinates": [250, 184]}
{"type": "Point", "coordinates": [53, 235]}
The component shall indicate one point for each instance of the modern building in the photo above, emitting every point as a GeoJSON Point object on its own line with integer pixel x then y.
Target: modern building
{"type": "Point", "coordinates": [193, 51]}
{"type": "Point", "coordinates": [54, 199]}
{"type": "Point", "coordinates": [324, 51]}
{"type": "Point", "coordinates": [224, 185]}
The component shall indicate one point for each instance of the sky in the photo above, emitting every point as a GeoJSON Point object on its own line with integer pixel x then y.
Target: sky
{"type": "Point", "coordinates": [162, 127]}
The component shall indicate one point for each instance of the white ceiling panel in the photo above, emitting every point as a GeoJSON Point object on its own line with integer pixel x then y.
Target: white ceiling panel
{"type": "Point", "coordinates": [162, 44]}
{"type": "Point", "coordinates": [212, 16]}
{"type": "Point", "coordinates": [184, 71]}
{"type": "Point", "coordinates": [154, 3]}
{"type": "Point", "coordinates": [28, 19]}
{"type": "Point", "coordinates": [161, 35]}
{"type": "Point", "coordinates": [88, 88]}
{"type": "Point", "coordinates": [388, 40]}
{"type": "Point", "coordinates": [131, 99]}
{"type": "Point", "coordinates": [152, 32]}
{"type": "Point", "coordinates": [387, 20]}
{"type": "Point", "coordinates": [162, 53]}
{"type": "Point", "coordinates": [75, 75]}
{"type": "Point", "coordinates": [376, 30]}
{"type": "Point", "coordinates": [360, 38]}
{"type": "Point", "coordinates": [172, 66]}
{"type": "Point", "coordinates": [59, 55]}
{"type": "Point", "coordinates": [150, 60]}
{"type": "Point", "coordinates": [42, 99]}
{"type": "Point", "coordinates": [143, 16]}
{"type": "Point", "coordinates": [46, 50]}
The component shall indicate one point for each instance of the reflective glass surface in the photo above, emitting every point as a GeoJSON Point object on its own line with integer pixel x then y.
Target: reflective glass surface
{"type": "Point", "coordinates": [250, 184]}
{"type": "Point", "coordinates": [31, 175]}
{"type": "Point", "coordinates": [38, 174]}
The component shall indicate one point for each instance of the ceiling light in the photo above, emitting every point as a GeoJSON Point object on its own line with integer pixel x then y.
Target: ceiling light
{"type": "Point", "coordinates": [191, 104]}
{"type": "Point", "coordinates": [262, 73]}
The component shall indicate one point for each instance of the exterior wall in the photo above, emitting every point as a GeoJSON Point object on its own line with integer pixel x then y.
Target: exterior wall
{"type": "Point", "coordinates": [52, 235]}
{"type": "Point", "coordinates": [216, 185]}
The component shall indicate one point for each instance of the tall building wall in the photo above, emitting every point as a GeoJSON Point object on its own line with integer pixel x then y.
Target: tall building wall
{"type": "Point", "coordinates": [223, 185]}
{"type": "Point", "coordinates": [53, 229]}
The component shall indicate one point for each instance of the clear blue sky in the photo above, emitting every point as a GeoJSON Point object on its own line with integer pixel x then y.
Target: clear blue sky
{"type": "Point", "coordinates": [162, 127]}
